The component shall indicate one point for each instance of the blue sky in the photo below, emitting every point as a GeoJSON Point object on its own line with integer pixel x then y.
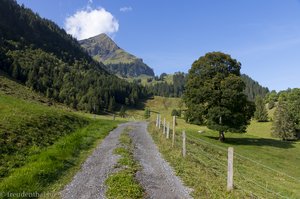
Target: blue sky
{"type": "Point", "coordinates": [264, 35]}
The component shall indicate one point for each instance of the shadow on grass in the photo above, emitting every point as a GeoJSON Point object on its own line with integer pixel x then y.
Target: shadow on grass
{"type": "Point", "coordinates": [257, 142]}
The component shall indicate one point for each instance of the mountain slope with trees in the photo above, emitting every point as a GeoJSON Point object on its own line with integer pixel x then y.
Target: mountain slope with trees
{"type": "Point", "coordinates": [172, 85]}
{"type": "Point", "coordinates": [118, 61]}
{"type": "Point", "coordinates": [38, 53]}
{"type": "Point", "coordinates": [253, 88]}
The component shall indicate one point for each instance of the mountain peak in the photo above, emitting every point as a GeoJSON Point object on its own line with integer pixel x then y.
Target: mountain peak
{"type": "Point", "coordinates": [94, 42]}
{"type": "Point", "coordinates": [102, 48]}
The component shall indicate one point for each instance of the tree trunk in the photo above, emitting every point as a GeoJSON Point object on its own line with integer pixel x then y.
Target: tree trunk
{"type": "Point", "coordinates": [221, 136]}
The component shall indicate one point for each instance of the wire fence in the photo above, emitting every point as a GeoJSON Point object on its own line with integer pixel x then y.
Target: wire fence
{"type": "Point", "coordinates": [253, 177]}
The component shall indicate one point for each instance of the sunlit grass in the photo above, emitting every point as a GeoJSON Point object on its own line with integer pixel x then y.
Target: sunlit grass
{"type": "Point", "coordinates": [264, 167]}
{"type": "Point", "coordinates": [50, 164]}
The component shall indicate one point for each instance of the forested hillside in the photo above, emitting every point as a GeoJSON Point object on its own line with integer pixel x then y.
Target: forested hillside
{"type": "Point", "coordinates": [160, 86]}
{"type": "Point", "coordinates": [173, 86]}
{"type": "Point", "coordinates": [41, 55]}
{"type": "Point", "coordinates": [118, 61]}
{"type": "Point", "coordinates": [253, 88]}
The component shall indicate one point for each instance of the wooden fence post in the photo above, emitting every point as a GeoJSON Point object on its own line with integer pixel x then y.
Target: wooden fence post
{"type": "Point", "coordinates": [114, 117]}
{"type": "Point", "coordinates": [173, 137]}
{"type": "Point", "coordinates": [159, 121]}
{"type": "Point", "coordinates": [230, 169]}
{"type": "Point", "coordinates": [168, 130]}
{"type": "Point", "coordinates": [164, 130]}
{"type": "Point", "coordinates": [183, 144]}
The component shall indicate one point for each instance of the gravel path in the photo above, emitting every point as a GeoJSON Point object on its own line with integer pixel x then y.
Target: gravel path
{"type": "Point", "coordinates": [156, 176]}
{"type": "Point", "coordinates": [88, 183]}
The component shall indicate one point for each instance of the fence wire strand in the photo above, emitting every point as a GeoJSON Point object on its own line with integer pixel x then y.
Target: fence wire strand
{"type": "Point", "coordinates": [243, 157]}
{"type": "Point", "coordinates": [238, 156]}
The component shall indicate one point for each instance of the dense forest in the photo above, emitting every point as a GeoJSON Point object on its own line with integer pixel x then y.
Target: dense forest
{"type": "Point", "coordinates": [253, 88]}
{"type": "Point", "coordinates": [38, 53]}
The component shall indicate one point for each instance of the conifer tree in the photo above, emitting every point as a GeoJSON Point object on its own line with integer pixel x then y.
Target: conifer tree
{"type": "Point", "coordinates": [283, 124]}
{"type": "Point", "coordinates": [260, 114]}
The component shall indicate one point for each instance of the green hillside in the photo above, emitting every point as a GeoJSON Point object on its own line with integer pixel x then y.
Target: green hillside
{"type": "Point", "coordinates": [41, 55]}
{"type": "Point", "coordinates": [118, 61]}
{"type": "Point", "coordinates": [42, 141]}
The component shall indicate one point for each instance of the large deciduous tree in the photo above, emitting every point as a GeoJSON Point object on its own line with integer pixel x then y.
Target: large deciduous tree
{"type": "Point", "coordinates": [214, 94]}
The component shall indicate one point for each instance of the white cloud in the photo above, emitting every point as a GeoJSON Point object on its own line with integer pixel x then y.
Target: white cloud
{"type": "Point", "coordinates": [126, 9]}
{"type": "Point", "coordinates": [88, 23]}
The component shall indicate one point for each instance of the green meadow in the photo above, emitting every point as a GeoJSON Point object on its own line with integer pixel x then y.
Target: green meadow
{"type": "Point", "coordinates": [264, 167]}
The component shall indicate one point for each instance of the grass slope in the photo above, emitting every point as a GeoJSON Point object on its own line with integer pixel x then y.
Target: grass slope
{"type": "Point", "coordinates": [10, 87]}
{"type": "Point", "coordinates": [27, 128]}
{"type": "Point", "coordinates": [41, 145]}
{"type": "Point", "coordinates": [46, 167]}
{"type": "Point", "coordinates": [263, 167]}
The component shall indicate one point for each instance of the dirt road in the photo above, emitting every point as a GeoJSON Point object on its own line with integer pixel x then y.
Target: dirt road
{"type": "Point", "coordinates": [156, 176]}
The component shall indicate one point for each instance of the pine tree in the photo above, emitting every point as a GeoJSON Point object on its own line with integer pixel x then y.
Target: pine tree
{"type": "Point", "coordinates": [260, 114]}
{"type": "Point", "coordinates": [283, 124]}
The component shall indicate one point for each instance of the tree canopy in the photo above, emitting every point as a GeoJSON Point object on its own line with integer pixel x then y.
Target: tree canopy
{"type": "Point", "coordinates": [214, 94]}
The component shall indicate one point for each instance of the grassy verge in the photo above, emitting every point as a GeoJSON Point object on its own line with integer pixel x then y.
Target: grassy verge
{"type": "Point", "coordinates": [263, 168]}
{"type": "Point", "coordinates": [26, 128]}
{"type": "Point", "coordinates": [122, 184]}
{"type": "Point", "coordinates": [44, 169]}
{"type": "Point", "coordinates": [196, 174]}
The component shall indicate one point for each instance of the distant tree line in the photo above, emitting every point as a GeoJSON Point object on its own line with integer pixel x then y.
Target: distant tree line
{"type": "Point", "coordinates": [165, 89]}
{"type": "Point", "coordinates": [176, 87]}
